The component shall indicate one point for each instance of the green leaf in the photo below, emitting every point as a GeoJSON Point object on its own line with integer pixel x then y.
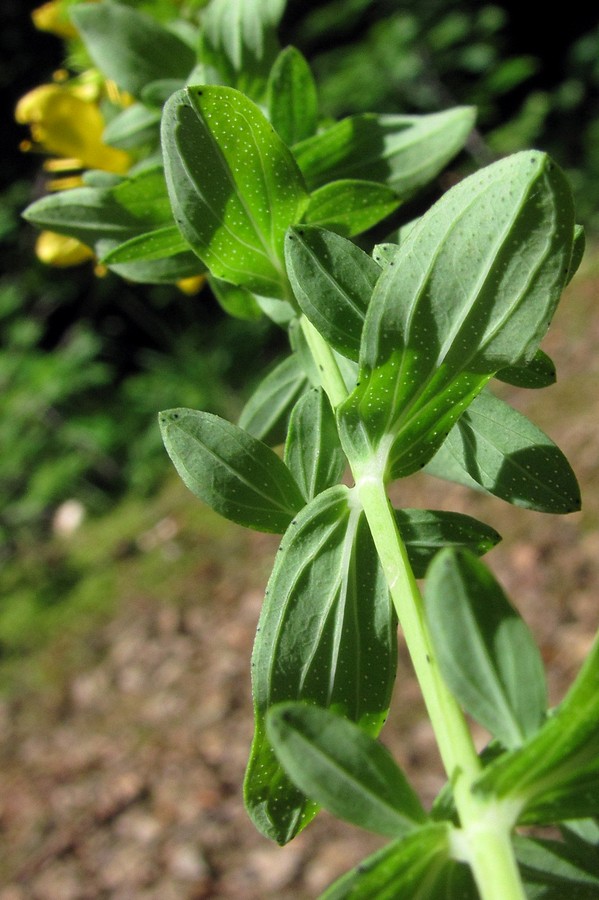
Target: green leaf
{"type": "Point", "coordinates": [239, 41]}
{"type": "Point", "coordinates": [538, 373]}
{"type": "Point", "coordinates": [87, 213]}
{"type": "Point", "coordinates": [415, 867]}
{"type": "Point", "coordinates": [239, 26]}
{"type": "Point", "coordinates": [552, 870]}
{"type": "Point", "coordinates": [134, 127]}
{"type": "Point", "coordinates": [498, 448]}
{"type": "Point", "coordinates": [156, 93]}
{"type": "Point", "coordinates": [281, 312]}
{"type": "Point", "coordinates": [144, 195]}
{"type": "Point", "coordinates": [343, 769]}
{"type": "Point", "coordinates": [350, 206]}
{"type": "Point", "coordinates": [327, 634]}
{"type": "Point", "coordinates": [398, 235]}
{"type": "Point", "coordinates": [555, 775]}
{"type": "Point", "coordinates": [236, 301]}
{"type": "Point", "coordinates": [157, 244]}
{"type": "Point", "coordinates": [230, 470]}
{"type": "Point", "coordinates": [444, 465]}
{"type": "Point", "coordinates": [129, 47]}
{"type": "Point", "coordinates": [404, 152]}
{"type": "Point", "coordinates": [383, 254]}
{"type": "Point", "coordinates": [165, 270]}
{"type": "Point", "coordinates": [425, 532]}
{"type": "Point", "coordinates": [299, 345]}
{"type": "Point", "coordinates": [233, 184]}
{"type": "Point", "coordinates": [131, 207]}
{"type": "Point", "coordinates": [487, 655]}
{"type": "Point", "coordinates": [583, 835]}
{"type": "Point", "coordinates": [332, 280]}
{"type": "Point", "coordinates": [470, 291]}
{"type": "Point", "coordinates": [313, 453]}
{"type": "Point", "coordinates": [348, 369]}
{"type": "Point", "coordinates": [291, 97]}
{"type": "Point", "coordinates": [266, 414]}
{"type": "Point", "coordinates": [96, 178]}
{"type": "Point", "coordinates": [578, 248]}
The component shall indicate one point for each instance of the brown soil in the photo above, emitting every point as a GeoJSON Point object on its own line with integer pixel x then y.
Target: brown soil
{"type": "Point", "coordinates": [126, 784]}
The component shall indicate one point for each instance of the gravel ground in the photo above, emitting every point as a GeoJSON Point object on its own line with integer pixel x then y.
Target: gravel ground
{"type": "Point", "coordinates": [127, 784]}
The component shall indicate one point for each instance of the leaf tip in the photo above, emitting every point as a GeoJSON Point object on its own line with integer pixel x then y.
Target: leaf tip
{"type": "Point", "coordinates": [168, 417]}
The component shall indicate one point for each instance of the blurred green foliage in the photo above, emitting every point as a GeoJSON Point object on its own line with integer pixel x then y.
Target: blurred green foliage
{"type": "Point", "coordinates": [58, 592]}
{"type": "Point", "coordinates": [419, 57]}
{"type": "Point", "coordinates": [85, 364]}
{"type": "Point", "coordinates": [398, 55]}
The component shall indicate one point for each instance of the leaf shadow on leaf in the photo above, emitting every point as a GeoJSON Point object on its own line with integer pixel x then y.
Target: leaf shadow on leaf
{"type": "Point", "coordinates": [369, 136]}
{"type": "Point", "coordinates": [515, 480]}
{"type": "Point", "coordinates": [327, 635]}
{"type": "Point", "coordinates": [233, 184]}
{"type": "Point", "coordinates": [353, 148]}
{"type": "Point", "coordinates": [208, 158]}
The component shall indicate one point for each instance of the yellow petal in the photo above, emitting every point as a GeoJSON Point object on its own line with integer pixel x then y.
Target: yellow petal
{"type": "Point", "coordinates": [52, 17]}
{"type": "Point", "coordinates": [66, 125]}
{"type": "Point", "coordinates": [60, 165]}
{"type": "Point", "coordinates": [58, 250]}
{"type": "Point", "coordinates": [30, 106]}
{"type": "Point", "coordinates": [192, 285]}
{"type": "Point", "coordinates": [116, 95]}
{"type": "Point", "coordinates": [66, 183]}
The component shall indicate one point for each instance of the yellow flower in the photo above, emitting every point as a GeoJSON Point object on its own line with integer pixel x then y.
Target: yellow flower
{"type": "Point", "coordinates": [63, 121]}
{"type": "Point", "coordinates": [58, 250]}
{"type": "Point", "coordinates": [53, 17]}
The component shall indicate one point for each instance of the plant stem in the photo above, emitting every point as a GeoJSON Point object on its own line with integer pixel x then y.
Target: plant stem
{"type": "Point", "coordinates": [485, 831]}
{"type": "Point", "coordinates": [452, 733]}
{"type": "Point", "coordinates": [490, 854]}
{"type": "Point", "coordinates": [484, 837]}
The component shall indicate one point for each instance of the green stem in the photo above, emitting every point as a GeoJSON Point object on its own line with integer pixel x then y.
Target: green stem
{"type": "Point", "coordinates": [484, 837]}
{"type": "Point", "coordinates": [490, 854]}
{"type": "Point", "coordinates": [486, 826]}
{"type": "Point", "coordinates": [453, 736]}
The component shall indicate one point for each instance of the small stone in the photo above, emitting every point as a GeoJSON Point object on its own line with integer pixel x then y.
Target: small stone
{"type": "Point", "coordinates": [59, 882]}
{"type": "Point", "coordinates": [127, 865]}
{"type": "Point", "coordinates": [275, 868]}
{"type": "Point", "coordinates": [90, 690]}
{"type": "Point", "coordinates": [186, 862]}
{"type": "Point", "coordinates": [138, 826]}
{"type": "Point", "coordinates": [68, 517]}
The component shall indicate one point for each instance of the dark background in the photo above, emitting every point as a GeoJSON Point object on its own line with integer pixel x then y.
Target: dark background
{"type": "Point", "coordinates": [28, 57]}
